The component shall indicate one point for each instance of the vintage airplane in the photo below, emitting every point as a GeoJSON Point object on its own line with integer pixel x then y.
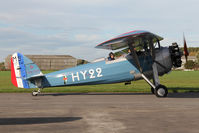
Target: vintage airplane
{"type": "Point", "coordinates": [146, 60]}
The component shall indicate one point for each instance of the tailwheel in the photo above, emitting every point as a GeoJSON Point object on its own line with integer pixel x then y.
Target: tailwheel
{"type": "Point", "coordinates": [161, 91]}
{"type": "Point", "coordinates": [34, 93]}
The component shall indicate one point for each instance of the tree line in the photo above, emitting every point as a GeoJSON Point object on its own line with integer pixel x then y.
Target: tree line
{"type": "Point", "coordinates": [192, 49]}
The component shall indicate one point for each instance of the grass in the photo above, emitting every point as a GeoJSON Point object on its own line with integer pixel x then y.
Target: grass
{"type": "Point", "coordinates": [176, 81]}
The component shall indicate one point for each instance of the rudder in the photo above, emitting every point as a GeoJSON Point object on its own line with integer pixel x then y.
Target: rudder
{"type": "Point", "coordinates": [22, 69]}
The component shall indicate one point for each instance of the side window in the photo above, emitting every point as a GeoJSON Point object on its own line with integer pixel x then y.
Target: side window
{"type": "Point", "coordinates": [157, 45]}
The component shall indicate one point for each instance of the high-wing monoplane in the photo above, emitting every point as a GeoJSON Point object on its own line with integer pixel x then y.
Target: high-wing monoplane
{"type": "Point", "coordinates": [146, 60]}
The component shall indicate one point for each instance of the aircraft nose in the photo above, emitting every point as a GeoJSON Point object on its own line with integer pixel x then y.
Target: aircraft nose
{"type": "Point", "coordinates": [176, 55]}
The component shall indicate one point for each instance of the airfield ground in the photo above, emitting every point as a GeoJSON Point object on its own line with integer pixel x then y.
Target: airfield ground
{"type": "Point", "coordinates": [113, 108]}
{"type": "Point", "coordinates": [99, 113]}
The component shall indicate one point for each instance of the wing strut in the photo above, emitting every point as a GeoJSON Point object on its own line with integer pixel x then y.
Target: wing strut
{"type": "Point", "coordinates": [134, 55]}
{"type": "Point", "coordinates": [137, 62]}
{"type": "Point", "coordinates": [156, 87]}
{"type": "Point", "coordinates": [156, 80]}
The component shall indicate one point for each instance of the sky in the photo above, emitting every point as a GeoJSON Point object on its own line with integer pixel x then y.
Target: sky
{"type": "Point", "coordinates": [75, 27]}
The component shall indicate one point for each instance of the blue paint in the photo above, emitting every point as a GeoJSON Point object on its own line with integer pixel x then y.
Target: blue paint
{"type": "Point", "coordinates": [22, 70]}
{"type": "Point", "coordinates": [112, 71]}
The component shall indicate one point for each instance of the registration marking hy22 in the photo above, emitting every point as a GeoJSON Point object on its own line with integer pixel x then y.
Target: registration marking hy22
{"type": "Point", "coordinates": [93, 73]}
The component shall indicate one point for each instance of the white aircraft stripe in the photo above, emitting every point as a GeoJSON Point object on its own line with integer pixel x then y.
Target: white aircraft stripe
{"type": "Point", "coordinates": [17, 70]}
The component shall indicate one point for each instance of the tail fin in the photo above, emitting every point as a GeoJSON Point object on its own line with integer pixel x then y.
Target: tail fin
{"type": "Point", "coordinates": [23, 69]}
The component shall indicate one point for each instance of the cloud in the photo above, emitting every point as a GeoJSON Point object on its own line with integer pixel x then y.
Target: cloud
{"type": "Point", "coordinates": [13, 40]}
{"type": "Point", "coordinates": [75, 27]}
{"type": "Point", "coordinates": [86, 38]}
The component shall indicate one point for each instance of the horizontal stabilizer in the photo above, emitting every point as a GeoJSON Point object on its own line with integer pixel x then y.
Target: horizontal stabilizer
{"type": "Point", "coordinates": [35, 77]}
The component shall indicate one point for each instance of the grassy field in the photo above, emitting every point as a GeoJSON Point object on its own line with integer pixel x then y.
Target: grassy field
{"type": "Point", "coordinates": [176, 81]}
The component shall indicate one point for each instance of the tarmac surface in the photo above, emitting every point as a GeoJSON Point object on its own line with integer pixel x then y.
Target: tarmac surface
{"type": "Point", "coordinates": [99, 113]}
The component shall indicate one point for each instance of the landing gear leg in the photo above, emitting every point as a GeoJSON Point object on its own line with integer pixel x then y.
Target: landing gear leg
{"type": "Point", "coordinates": [159, 90]}
{"type": "Point", "coordinates": [152, 90]}
{"type": "Point", "coordinates": [35, 93]}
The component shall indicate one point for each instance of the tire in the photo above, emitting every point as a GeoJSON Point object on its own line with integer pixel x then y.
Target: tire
{"type": "Point", "coordinates": [161, 91]}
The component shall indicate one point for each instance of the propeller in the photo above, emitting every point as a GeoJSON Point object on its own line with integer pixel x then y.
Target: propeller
{"type": "Point", "coordinates": [176, 54]}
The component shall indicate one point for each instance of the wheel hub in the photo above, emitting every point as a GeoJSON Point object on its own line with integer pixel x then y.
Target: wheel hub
{"type": "Point", "coordinates": [161, 92]}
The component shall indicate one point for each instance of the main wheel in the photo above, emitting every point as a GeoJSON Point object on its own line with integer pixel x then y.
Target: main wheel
{"type": "Point", "coordinates": [161, 91]}
{"type": "Point", "coordinates": [34, 93]}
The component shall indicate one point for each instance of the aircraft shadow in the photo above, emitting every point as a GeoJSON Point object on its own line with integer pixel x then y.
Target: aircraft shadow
{"type": "Point", "coordinates": [187, 93]}
{"type": "Point", "coordinates": [173, 93]}
{"type": "Point", "coordinates": [184, 95]}
{"type": "Point", "coordinates": [93, 93]}
{"type": "Point", "coordinates": [36, 120]}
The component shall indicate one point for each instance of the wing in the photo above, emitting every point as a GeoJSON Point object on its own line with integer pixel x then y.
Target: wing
{"type": "Point", "coordinates": [121, 41]}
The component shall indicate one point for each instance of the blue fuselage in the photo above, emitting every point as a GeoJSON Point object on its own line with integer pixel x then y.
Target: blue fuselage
{"type": "Point", "coordinates": [102, 72]}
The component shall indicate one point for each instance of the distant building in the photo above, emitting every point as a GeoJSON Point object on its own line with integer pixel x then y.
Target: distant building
{"type": "Point", "coordinates": [48, 62]}
{"type": "Point", "coordinates": [193, 58]}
